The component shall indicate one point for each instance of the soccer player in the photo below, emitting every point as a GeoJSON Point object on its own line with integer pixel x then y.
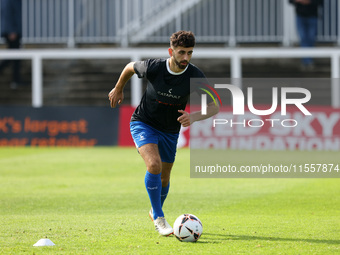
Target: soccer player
{"type": "Point", "coordinates": [157, 120]}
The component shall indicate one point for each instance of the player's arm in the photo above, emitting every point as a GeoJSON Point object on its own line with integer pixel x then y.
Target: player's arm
{"type": "Point", "coordinates": [186, 119]}
{"type": "Point", "coordinates": [116, 95]}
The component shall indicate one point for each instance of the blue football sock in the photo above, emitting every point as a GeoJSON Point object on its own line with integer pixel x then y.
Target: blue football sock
{"type": "Point", "coordinates": [164, 193]}
{"type": "Point", "coordinates": [153, 185]}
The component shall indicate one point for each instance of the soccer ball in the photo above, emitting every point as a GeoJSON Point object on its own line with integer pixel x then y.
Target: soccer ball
{"type": "Point", "coordinates": [188, 228]}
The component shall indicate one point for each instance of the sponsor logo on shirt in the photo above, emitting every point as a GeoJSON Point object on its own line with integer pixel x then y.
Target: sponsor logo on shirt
{"type": "Point", "coordinates": [164, 94]}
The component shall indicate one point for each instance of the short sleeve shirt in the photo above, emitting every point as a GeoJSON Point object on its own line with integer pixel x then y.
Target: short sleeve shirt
{"type": "Point", "coordinates": [166, 93]}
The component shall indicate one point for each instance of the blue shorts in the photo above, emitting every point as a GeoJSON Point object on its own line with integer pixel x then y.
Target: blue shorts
{"type": "Point", "coordinates": [144, 134]}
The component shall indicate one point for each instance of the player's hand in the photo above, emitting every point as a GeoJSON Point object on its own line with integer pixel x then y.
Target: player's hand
{"type": "Point", "coordinates": [116, 96]}
{"type": "Point", "coordinates": [184, 119]}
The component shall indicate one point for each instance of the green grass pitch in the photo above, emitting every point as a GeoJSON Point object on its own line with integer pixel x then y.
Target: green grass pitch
{"type": "Point", "coordinates": [93, 201]}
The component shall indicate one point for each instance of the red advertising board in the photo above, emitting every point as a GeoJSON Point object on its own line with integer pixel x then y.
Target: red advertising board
{"type": "Point", "coordinates": [124, 135]}
{"type": "Point", "coordinates": [293, 131]}
{"type": "Point", "coordinates": [319, 131]}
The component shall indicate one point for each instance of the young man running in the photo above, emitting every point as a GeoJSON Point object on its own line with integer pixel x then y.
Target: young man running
{"type": "Point", "coordinates": [157, 120]}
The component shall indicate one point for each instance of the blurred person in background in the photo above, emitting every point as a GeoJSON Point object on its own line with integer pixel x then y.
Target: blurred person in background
{"type": "Point", "coordinates": [306, 23]}
{"type": "Point", "coordinates": [11, 31]}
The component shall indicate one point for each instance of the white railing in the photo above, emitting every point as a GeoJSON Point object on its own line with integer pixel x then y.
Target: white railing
{"type": "Point", "coordinates": [125, 22]}
{"type": "Point", "coordinates": [135, 54]}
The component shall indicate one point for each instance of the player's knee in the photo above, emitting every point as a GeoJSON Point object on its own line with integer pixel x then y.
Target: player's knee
{"type": "Point", "coordinates": [154, 167]}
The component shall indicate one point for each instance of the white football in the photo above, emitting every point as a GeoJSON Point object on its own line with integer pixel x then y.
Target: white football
{"type": "Point", "coordinates": [188, 228]}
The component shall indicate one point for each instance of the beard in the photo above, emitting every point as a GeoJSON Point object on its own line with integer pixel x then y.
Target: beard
{"type": "Point", "coordinates": [181, 65]}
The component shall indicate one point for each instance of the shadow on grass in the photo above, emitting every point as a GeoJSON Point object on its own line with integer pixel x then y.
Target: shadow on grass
{"type": "Point", "coordinates": [218, 238]}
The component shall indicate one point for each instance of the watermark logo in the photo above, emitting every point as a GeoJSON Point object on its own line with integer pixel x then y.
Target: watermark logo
{"type": "Point", "coordinates": [261, 127]}
{"type": "Point", "coordinates": [238, 104]}
{"type": "Point", "coordinates": [238, 99]}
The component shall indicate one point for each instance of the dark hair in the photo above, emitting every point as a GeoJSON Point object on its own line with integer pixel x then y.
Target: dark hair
{"type": "Point", "coordinates": [182, 38]}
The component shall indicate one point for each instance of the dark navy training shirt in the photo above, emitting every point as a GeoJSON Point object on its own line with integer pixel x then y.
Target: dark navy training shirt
{"type": "Point", "coordinates": [166, 93]}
